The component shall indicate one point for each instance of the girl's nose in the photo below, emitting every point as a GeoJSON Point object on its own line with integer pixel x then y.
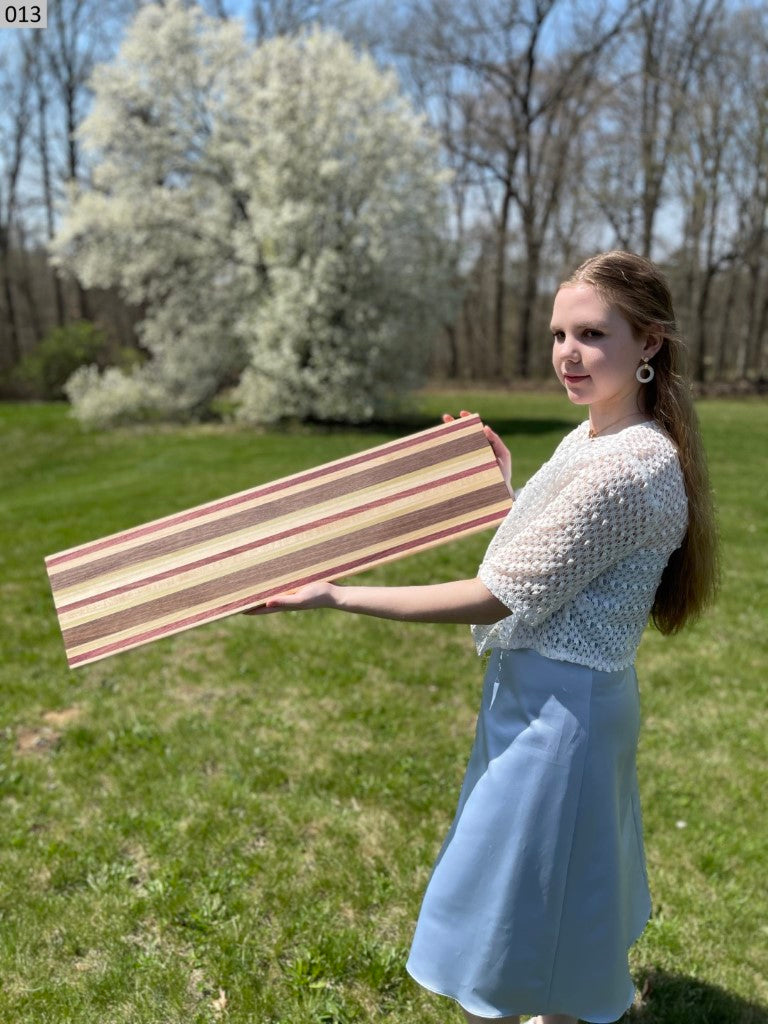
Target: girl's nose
{"type": "Point", "coordinates": [570, 349]}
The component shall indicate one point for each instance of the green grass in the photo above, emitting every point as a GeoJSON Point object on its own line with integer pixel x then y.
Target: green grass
{"type": "Point", "coordinates": [236, 823]}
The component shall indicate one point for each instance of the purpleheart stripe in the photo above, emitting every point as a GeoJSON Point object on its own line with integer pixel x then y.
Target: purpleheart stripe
{"type": "Point", "coordinates": [257, 517]}
{"type": "Point", "coordinates": [445, 483]}
{"type": "Point", "coordinates": [260, 597]}
{"type": "Point", "coordinates": [253, 545]}
{"type": "Point", "coordinates": [351, 461]}
{"type": "Point", "coordinates": [294, 565]}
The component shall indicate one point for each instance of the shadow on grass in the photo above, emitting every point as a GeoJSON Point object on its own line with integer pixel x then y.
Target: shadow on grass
{"type": "Point", "coordinates": [677, 999]}
{"type": "Point", "coordinates": [412, 422]}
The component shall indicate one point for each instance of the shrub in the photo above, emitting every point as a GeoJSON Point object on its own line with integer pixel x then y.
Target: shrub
{"type": "Point", "coordinates": [44, 372]}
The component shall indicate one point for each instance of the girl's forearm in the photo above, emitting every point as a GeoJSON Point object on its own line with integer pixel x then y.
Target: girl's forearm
{"type": "Point", "coordinates": [462, 601]}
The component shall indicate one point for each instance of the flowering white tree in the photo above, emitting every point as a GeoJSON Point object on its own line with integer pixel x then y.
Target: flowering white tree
{"type": "Point", "coordinates": [278, 212]}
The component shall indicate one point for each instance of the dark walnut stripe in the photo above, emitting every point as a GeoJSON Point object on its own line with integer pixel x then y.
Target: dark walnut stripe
{"type": "Point", "coordinates": [338, 570]}
{"type": "Point", "coordinates": [285, 505]}
{"type": "Point", "coordinates": [209, 508]}
{"type": "Point", "coordinates": [199, 563]}
{"type": "Point", "coordinates": [291, 565]}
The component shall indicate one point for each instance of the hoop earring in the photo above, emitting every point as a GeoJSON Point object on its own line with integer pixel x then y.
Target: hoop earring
{"type": "Point", "coordinates": [645, 373]}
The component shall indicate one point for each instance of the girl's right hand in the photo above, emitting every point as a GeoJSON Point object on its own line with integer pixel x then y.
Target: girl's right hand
{"type": "Point", "coordinates": [321, 594]}
{"type": "Point", "coordinates": [500, 450]}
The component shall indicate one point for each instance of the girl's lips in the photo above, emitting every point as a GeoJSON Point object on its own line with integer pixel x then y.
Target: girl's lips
{"type": "Point", "coordinates": [570, 377]}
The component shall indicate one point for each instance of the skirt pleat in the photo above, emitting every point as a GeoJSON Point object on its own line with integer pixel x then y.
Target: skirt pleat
{"type": "Point", "coordinates": [540, 887]}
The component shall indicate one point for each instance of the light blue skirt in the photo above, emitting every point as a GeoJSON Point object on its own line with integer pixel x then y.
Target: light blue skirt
{"type": "Point", "coordinates": [540, 887]}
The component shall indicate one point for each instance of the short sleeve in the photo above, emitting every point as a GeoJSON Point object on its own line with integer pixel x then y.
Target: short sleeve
{"type": "Point", "coordinates": [596, 520]}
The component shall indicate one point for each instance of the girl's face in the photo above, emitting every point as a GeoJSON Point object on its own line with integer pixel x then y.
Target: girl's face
{"type": "Point", "coordinates": [594, 351]}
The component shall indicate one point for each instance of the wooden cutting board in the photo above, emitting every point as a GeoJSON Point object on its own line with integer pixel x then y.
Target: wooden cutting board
{"type": "Point", "coordinates": [326, 523]}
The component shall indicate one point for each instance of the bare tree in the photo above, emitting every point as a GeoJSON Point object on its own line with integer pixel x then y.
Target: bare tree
{"type": "Point", "coordinates": [69, 52]}
{"type": "Point", "coordinates": [568, 125]}
{"type": "Point", "coordinates": [286, 17]}
{"type": "Point", "coordinates": [748, 173]}
{"type": "Point", "coordinates": [522, 98]}
{"type": "Point", "coordinates": [722, 173]}
{"type": "Point", "coordinates": [14, 131]}
{"type": "Point", "coordinates": [33, 47]}
{"type": "Point", "coordinates": [641, 123]}
{"type": "Point", "coordinates": [700, 168]}
{"type": "Point", "coordinates": [672, 37]}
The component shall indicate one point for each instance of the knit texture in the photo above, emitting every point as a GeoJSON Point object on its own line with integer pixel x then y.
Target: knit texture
{"type": "Point", "coordinates": [580, 555]}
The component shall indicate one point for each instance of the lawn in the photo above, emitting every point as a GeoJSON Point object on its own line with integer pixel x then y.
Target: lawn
{"type": "Point", "coordinates": [236, 823]}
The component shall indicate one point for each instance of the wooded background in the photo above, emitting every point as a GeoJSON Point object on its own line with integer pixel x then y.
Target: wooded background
{"type": "Point", "coordinates": [571, 127]}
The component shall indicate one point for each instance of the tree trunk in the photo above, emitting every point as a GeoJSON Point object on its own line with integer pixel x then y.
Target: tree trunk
{"type": "Point", "coordinates": [452, 369]}
{"type": "Point", "coordinates": [725, 335]}
{"type": "Point", "coordinates": [499, 287]}
{"type": "Point", "coordinates": [45, 168]}
{"type": "Point", "coordinates": [26, 285]}
{"type": "Point", "coordinates": [757, 356]}
{"type": "Point", "coordinates": [12, 320]}
{"type": "Point", "coordinates": [528, 298]}
{"type": "Point", "coordinates": [701, 329]}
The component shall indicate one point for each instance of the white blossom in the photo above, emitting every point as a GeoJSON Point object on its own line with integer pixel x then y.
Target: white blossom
{"type": "Point", "coordinates": [277, 210]}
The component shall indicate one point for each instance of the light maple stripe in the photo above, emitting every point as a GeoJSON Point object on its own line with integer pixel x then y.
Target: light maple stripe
{"type": "Point", "coordinates": [328, 572]}
{"type": "Point", "coordinates": [278, 580]}
{"type": "Point", "coordinates": [298, 562]}
{"type": "Point", "coordinates": [302, 528]}
{"type": "Point", "coordinates": [180, 571]}
{"type": "Point", "coordinates": [439, 537]}
{"type": "Point", "coordinates": [273, 532]}
{"type": "Point", "coordinates": [226, 523]}
{"type": "Point", "coordinates": [259, 497]}
{"type": "Point", "coordinates": [418, 466]}
{"type": "Point", "coordinates": [272, 577]}
{"type": "Point", "coordinates": [337, 467]}
{"type": "Point", "coordinates": [246, 597]}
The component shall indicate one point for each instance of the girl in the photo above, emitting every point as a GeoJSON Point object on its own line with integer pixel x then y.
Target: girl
{"type": "Point", "coordinates": [540, 887]}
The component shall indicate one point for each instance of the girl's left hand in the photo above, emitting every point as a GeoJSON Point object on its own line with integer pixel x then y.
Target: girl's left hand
{"type": "Point", "coordinates": [311, 595]}
{"type": "Point", "coordinates": [500, 450]}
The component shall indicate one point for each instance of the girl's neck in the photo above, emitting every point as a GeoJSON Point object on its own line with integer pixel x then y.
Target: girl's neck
{"type": "Point", "coordinates": [602, 424]}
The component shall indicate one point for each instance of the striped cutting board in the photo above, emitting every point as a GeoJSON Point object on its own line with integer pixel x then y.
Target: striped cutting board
{"type": "Point", "coordinates": [216, 559]}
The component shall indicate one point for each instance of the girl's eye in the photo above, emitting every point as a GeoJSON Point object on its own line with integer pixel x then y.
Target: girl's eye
{"type": "Point", "coordinates": [590, 333]}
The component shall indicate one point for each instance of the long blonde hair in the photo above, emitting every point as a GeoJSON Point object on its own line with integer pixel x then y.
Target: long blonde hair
{"type": "Point", "coordinates": [636, 288]}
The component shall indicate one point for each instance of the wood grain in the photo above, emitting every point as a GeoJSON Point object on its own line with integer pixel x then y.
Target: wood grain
{"type": "Point", "coordinates": [219, 558]}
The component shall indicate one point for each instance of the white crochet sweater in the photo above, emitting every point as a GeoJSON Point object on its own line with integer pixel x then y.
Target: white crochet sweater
{"type": "Point", "coordinates": [579, 557]}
